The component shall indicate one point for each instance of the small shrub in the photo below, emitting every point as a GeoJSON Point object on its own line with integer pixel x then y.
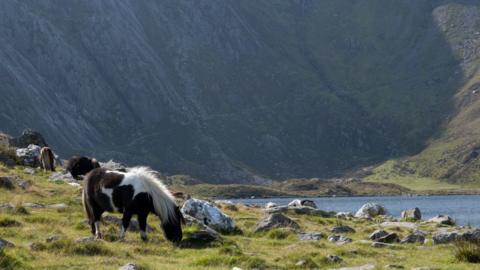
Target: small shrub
{"type": "Point", "coordinates": [8, 222]}
{"type": "Point", "coordinates": [20, 210]}
{"type": "Point", "coordinates": [90, 249]}
{"type": "Point", "coordinates": [278, 234]}
{"type": "Point", "coordinates": [467, 252]}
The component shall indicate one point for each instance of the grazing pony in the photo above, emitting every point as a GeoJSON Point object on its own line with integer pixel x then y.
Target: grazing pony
{"type": "Point", "coordinates": [81, 166]}
{"type": "Point", "coordinates": [47, 159]}
{"type": "Point", "coordinates": [136, 192]}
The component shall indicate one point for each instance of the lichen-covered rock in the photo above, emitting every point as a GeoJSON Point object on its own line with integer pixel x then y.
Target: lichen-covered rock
{"type": "Point", "coordinates": [27, 138]}
{"type": "Point", "coordinates": [370, 210]}
{"type": "Point", "coordinates": [415, 237]}
{"type": "Point", "coordinates": [5, 244]}
{"type": "Point", "coordinates": [29, 156]}
{"type": "Point", "coordinates": [389, 238]}
{"type": "Point", "coordinates": [339, 239]}
{"type": "Point", "coordinates": [129, 266]}
{"type": "Point", "coordinates": [209, 214]}
{"type": "Point", "coordinates": [445, 237]}
{"type": "Point", "coordinates": [343, 229]}
{"type": "Point", "coordinates": [300, 203]}
{"type": "Point", "coordinates": [62, 176]}
{"type": "Point", "coordinates": [344, 215]}
{"type": "Point", "coordinates": [276, 220]}
{"type": "Point", "coordinates": [443, 220]}
{"type": "Point", "coordinates": [7, 182]}
{"type": "Point", "coordinates": [270, 205]}
{"type": "Point", "coordinates": [377, 235]}
{"type": "Point", "coordinates": [310, 236]}
{"type": "Point", "coordinates": [413, 214]}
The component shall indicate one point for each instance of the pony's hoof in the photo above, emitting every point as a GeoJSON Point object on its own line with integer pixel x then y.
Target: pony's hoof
{"type": "Point", "coordinates": [98, 236]}
{"type": "Point", "coordinates": [144, 239]}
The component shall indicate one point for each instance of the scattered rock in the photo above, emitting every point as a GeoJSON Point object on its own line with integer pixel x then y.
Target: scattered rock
{"type": "Point", "coordinates": [29, 156]}
{"type": "Point", "coordinates": [334, 258]}
{"type": "Point", "coordinates": [415, 237]}
{"type": "Point", "coordinates": [443, 220]}
{"type": "Point", "coordinates": [24, 184]}
{"type": "Point", "coordinates": [6, 206]}
{"type": "Point", "coordinates": [270, 205]}
{"type": "Point", "coordinates": [29, 170]}
{"type": "Point", "coordinates": [306, 263]}
{"type": "Point", "coordinates": [129, 266]}
{"type": "Point", "coordinates": [237, 268]}
{"type": "Point", "coordinates": [423, 268]}
{"type": "Point", "coordinates": [343, 229]}
{"type": "Point", "coordinates": [472, 235]}
{"type": "Point", "coordinates": [276, 220]}
{"type": "Point", "coordinates": [5, 244]}
{"type": "Point", "coordinates": [339, 239]}
{"type": "Point", "coordinates": [33, 205]}
{"type": "Point", "coordinates": [363, 267]}
{"type": "Point", "coordinates": [57, 206]}
{"type": "Point", "coordinates": [310, 236]}
{"type": "Point", "coordinates": [370, 210]}
{"type": "Point", "coordinates": [52, 238]}
{"type": "Point", "coordinates": [445, 237]}
{"type": "Point", "coordinates": [205, 235]}
{"type": "Point", "coordinates": [306, 210]}
{"type": "Point", "coordinates": [62, 176]}
{"type": "Point", "coordinates": [27, 138]}
{"type": "Point", "coordinates": [344, 215]}
{"type": "Point", "coordinates": [377, 235]}
{"type": "Point", "coordinates": [300, 203]}
{"type": "Point", "coordinates": [209, 214]}
{"type": "Point", "coordinates": [7, 182]}
{"type": "Point", "coordinates": [276, 209]}
{"type": "Point", "coordinates": [389, 238]}
{"type": "Point", "coordinates": [413, 214]}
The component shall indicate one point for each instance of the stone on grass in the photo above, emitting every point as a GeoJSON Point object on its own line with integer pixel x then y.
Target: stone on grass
{"type": "Point", "coordinates": [209, 214]}
{"type": "Point", "coordinates": [415, 237]}
{"type": "Point", "coordinates": [389, 238]}
{"type": "Point", "coordinates": [270, 205]}
{"type": "Point", "coordinates": [343, 229]}
{"type": "Point", "coordinates": [334, 258]}
{"type": "Point", "coordinates": [339, 239]}
{"type": "Point", "coordinates": [344, 215]}
{"type": "Point", "coordinates": [377, 235]}
{"type": "Point", "coordinates": [27, 138]}
{"type": "Point", "coordinates": [129, 266]}
{"type": "Point", "coordinates": [396, 224]}
{"type": "Point", "coordinates": [380, 245]}
{"type": "Point", "coordinates": [24, 184]}
{"type": "Point", "coordinates": [370, 210]}
{"type": "Point", "coordinates": [52, 238]}
{"type": "Point", "coordinates": [33, 205]}
{"type": "Point", "coordinates": [85, 239]}
{"type": "Point", "coordinates": [29, 170]}
{"type": "Point", "coordinates": [6, 206]}
{"type": "Point", "coordinates": [29, 156]}
{"type": "Point", "coordinates": [310, 236]}
{"type": "Point", "coordinates": [276, 220]}
{"type": "Point", "coordinates": [57, 206]}
{"type": "Point", "coordinates": [7, 182]}
{"type": "Point", "coordinates": [5, 244]}
{"type": "Point", "coordinates": [301, 203]}
{"type": "Point", "coordinates": [443, 220]}
{"type": "Point", "coordinates": [444, 237]}
{"type": "Point", "coordinates": [63, 177]}
{"type": "Point", "coordinates": [413, 214]}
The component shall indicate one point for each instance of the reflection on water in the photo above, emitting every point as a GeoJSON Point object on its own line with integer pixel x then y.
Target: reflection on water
{"type": "Point", "coordinates": [463, 208]}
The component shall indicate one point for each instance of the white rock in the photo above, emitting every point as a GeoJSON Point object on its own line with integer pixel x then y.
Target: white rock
{"type": "Point", "coordinates": [270, 205]}
{"type": "Point", "coordinates": [363, 267]}
{"type": "Point", "coordinates": [370, 210]}
{"type": "Point", "coordinates": [209, 214]}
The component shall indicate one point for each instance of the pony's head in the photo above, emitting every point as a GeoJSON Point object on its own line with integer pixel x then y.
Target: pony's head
{"type": "Point", "coordinates": [172, 227]}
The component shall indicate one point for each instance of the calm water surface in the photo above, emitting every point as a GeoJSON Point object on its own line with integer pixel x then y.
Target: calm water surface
{"type": "Point", "coordinates": [465, 209]}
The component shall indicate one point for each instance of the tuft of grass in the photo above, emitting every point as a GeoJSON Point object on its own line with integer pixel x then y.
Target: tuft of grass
{"type": "Point", "coordinates": [8, 222]}
{"type": "Point", "coordinates": [20, 210]}
{"type": "Point", "coordinates": [248, 262]}
{"type": "Point", "coordinates": [8, 261]}
{"type": "Point", "coordinates": [279, 234]}
{"type": "Point", "coordinates": [69, 247]}
{"type": "Point", "coordinates": [467, 251]}
{"type": "Point", "coordinates": [230, 249]}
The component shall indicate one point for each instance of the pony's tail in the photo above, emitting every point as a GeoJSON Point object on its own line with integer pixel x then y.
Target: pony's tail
{"type": "Point", "coordinates": [163, 203]}
{"type": "Point", "coordinates": [86, 205]}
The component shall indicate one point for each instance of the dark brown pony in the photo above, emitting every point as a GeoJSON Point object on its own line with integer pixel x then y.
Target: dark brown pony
{"type": "Point", "coordinates": [136, 192]}
{"type": "Point", "coordinates": [81, 166]}
{"type": "Point", "coordinates": [47, 159]}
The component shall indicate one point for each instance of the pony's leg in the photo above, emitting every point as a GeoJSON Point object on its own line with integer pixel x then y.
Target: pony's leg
{"type": "Point", "coordinates": [142, 222]}
{"type": "Point", "coordinates": [127, 216]}
{"type": "Point", "coordinates": [97, 214]}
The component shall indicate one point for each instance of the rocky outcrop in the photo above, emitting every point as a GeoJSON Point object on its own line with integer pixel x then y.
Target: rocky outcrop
{"type": "Point", "coordinates": [301, 203]}
{"type": "Point", "coordinates": [209, 214]}
{"type": "Point", "coordinates": [5, 244]}
{"type": "Point", "coordinates": [412, 214]}
{"type": "Point", "coordinates": [415, 237]}
{"type": "Point", "coordinates": [310, 236]}
{"type": "Point", "coordinates": [377, 235]}
{"type": "Point", "coordinates": [370, 210]}
{"type": "Point", "coordinates": [443, 220]}
{"type": "Point", "coordinates": [276, 220]}
{"type": "Point", "coordinates": [29, 156]}
{"type": "Point", "coordinates": [343, 229]}
{"type": "Point", "coordinates": [27, 138]}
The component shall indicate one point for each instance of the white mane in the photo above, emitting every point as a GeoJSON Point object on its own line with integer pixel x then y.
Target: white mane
{"type": "Point", "coordinates": [144, 180]}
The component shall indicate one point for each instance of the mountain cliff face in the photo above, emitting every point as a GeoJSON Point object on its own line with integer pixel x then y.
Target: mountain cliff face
{"type": "Point", "coordinates": [236, 91]}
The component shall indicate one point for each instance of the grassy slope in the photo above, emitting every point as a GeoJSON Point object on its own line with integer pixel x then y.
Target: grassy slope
{"type": "Point", "coordinates": [278, 250]}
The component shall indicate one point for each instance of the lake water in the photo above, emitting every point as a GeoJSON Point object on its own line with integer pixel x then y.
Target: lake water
{"type": "Point", "coordinates": [465, 209]}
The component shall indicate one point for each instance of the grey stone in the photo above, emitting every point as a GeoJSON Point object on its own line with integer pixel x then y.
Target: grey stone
{"type": "Point", "coordinates": [396, 224]}
{"type": "Point", "coordinates": [370, 210]}
{"type": "Point", "coordinates": [52, 238]}
{"type": "Point", "coordinates": [362, 267]}
{"type": "Point", "coordinates": [301, 203]}
{"type": "Point", "coordinates": [309, 236]}
{"type": "Point", "coordinates": [7, 182]}
{"type": "Point", "coordinates": [344, 215]}
{"type": "Point", "coordinates": [415, 237]}
{"type": "Point", "coordinates": [276, 220]}
{"type": "Point", "coordinates": [62, 176]}
{"type": "Point", "coordinates": [381, 244]}
{"type": "Point", "coordinates": [129, 266]}
{"type": "Point", "coordinates": [113, 166]}
{"type": "Point", "coordinates": [270, 205]}
{"type": "Point", "coordinates": [85, 239]}
{"type": "Point", "coordinates": [29, 156]}
{"type": "Point", "coordinates": [57, 206]}
{"type": "Point", "coordinates": [7, 206]}
{"type": "Point", "coordinates": [343, 229]}
{"type": "Point", "coordinates": [33, 205]}
{"type": "Point", "coordinates": [443, 220]}
{"type": "Point", "coordinates": [339, 239]}
{"type": "Point", "coordinates": [209, 214]}
{"type": "Point", "coordinates": [414, 214]}
{"type": "Point", "coordinates": [445, 237]}
{"type": "Point", "coordinates": [24, 184]}
{"type": "Point", "coordinates": [27, 138]}
{"type": "Point", "coordinates": [334, 258]}
{"type": "Point", "coordinates": [5, 244]}
{"type": "Point", "coordinates": [389, 238]}
{"type": "Point", "coordinates": [29, 170]}
{"type": "Point", "coordinates": [377, 235]}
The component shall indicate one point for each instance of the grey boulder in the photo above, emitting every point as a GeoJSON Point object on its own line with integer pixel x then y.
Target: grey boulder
{"type": "Point", "coordinates": [209, 214]}
{"type": "Point", "coordinates": [276, 220]}
{"type": "Point", "coordinates": [370, 210]}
